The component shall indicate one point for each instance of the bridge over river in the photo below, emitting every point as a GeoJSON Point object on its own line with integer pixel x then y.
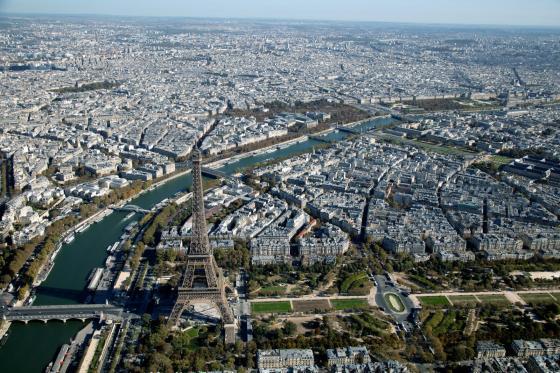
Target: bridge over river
{"type": "Point", "coordinates": [65, 312]}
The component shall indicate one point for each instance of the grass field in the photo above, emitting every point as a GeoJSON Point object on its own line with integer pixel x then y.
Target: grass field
{"type": "Point", "coordinates": [500, 160]}
{"type": "Point", "coordinates": [434, 300]}
{"type": "Point", "coordinates": [538, 298]}
{"type": "Point", "coordinates": [394, 302]}
{"type": "Point", "coordinates": [272, 290]}
{"type": "Point", "coordinates": [311, 305]}
{"type": "Point", "coordinates": [345, 304]}
{"type": "Point", "coordinates": [356, 284]}
{"type": "Point", "coordinates": [271, 307]}
{"type": "Point", "coordinates": [441, 149]}
{"type": "Point", "coordinates": [192, 332]}
{"type": "Point", "coordinates": [423, 281]}
{"type": "Point", "coordinates": [463, 299]}
{"type": "Point", "coordinates": [556, 296]}
{"type": "Point", "coordinates": [497, 299]}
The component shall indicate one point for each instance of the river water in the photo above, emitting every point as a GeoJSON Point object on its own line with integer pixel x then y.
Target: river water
{"type": "Point", "coordinates": [29, 348]}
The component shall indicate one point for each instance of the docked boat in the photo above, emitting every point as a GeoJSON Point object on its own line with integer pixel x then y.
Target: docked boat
{"type": "Point", "coordinates": [129, 227]}
{"type": "Point", "coordinates": [31, 300]}
{"type": "Point", "coordinates": [111, 248]}
{"type": "Point", "coordinates": [70, 238]}
{"type": "Point", "coordinates": [82, 228]}
{"type": "Point", "coordinates": [4, 338]}
{"type": "Point", "coordinates": [55, 253]}
{"type": "Point", "coordinates": [94, 279]}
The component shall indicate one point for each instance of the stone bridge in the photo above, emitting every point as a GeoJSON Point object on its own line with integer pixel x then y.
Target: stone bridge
{"type": "Point", "coordinates": [65, 312]}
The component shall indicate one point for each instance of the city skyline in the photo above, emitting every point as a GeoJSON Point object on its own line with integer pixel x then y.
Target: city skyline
{"type": "Point", "coordinates": [542, 13]}
{"type": "Point", "coordinates": [253, 187]}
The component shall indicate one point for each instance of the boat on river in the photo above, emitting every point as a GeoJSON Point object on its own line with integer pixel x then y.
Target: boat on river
{"type": "Point", "coordinates": [69, 239]}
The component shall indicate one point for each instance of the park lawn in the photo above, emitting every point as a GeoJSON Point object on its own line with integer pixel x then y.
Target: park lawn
{"type": "Point", "coordinates": [319, 305]}
{"type": "Point", "coordinates": [462, 299]}
{"type": "Point", "coordinates": [442, 322]}
{"type": "Point", "coordinates": [434, 320]}
{"type": "Point", "coordinates": [434, 300]}
{"type": "Point", "coordinates": [500, 160]}
{"type": "Point", "coordinates": [447, 323]}
{"type": "Point", "coordinates": [346, 304]}
{"type": "Point", "coordinates": [556, 296]}
{"type": "Point", "coordinates": [538, 298]}
{"type": "Point", "coordinates": [271, 307]}
{"type": "Point", "coordinates": [353, 282]}
{"type": "Point", "coordinates": [367, 324]}
{"type": "Point", "coordinates": [441, 149]}
{"type": "Point", "coordinates": [423, 281]}
{"type": "Point", "coordinates": [192, 332]}
{"type": "Point", "coordinates": [273, 289]}
{"type": "Point", "coordinates": [496, 299]}
{"type": "Point", "coordinates": [193, 341]}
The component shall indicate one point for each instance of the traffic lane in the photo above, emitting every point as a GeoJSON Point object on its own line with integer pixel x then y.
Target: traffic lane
{"type": "Point", "coordinates": [384, 288]}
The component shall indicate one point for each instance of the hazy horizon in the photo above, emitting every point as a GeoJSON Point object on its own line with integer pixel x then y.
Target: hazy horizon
{"type": "Point", "coordinates": [538, 13]}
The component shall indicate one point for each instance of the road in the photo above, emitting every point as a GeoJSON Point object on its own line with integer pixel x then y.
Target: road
{"type": "Point", "coordinates": [384, 287]}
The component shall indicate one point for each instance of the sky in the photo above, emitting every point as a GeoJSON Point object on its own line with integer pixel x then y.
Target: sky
{"type": "Point", "coordinates": [480, 12]}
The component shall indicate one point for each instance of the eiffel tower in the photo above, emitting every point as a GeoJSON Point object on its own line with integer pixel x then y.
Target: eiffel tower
{"type": "Point", "coordinates": [202, 280]}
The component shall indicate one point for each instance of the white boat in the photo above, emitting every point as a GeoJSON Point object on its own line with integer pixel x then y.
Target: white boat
{"type": "Point", "coordinates": [111, 248]}
{"type": "Point", "coordinates": [95, 278]}
{"type": "Point", "coordinates": [55, 253]}
{"type": "Point", "coordinates": [70, 238]}
{"type": "Point", "coordinates": [31, 300]}
{"type": "Point", "coordinates": [4, 338]}
{"type": "Point", "coordinates": [82, 228]}
{"type": "Point", "coordinates": [130, 215]}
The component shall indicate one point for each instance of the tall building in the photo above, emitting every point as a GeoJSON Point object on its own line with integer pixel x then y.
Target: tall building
{"type": "Point", "coordinates": [202, 280]}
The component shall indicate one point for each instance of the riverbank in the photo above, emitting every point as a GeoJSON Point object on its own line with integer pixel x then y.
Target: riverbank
{"type": "Point", "coordinates": [4, 329]}
{"type": "Point", "coordinates": [45, 269]}
{"type": "Point", "coordinates": [234, 158]}
{"type": "Point", "coordinates": [225, 161]}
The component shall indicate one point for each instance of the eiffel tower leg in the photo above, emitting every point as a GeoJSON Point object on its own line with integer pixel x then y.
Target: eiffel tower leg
{"type": "Point", "coordinates": [211, 275]}
{"type": "Point", "coordinates": [227, 315]}
{"type": "Point", "coordinates": [176, 313]}
{"type": "Point", "coordinates": [230, 326]}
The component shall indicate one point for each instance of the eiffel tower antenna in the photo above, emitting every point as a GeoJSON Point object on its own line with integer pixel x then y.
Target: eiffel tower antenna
{"type": "Point", "coordinates": [202, 280]}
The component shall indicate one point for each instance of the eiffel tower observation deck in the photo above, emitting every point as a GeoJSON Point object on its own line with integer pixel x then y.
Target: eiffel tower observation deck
{"type": "Point", "coordinates": [202, 280]}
